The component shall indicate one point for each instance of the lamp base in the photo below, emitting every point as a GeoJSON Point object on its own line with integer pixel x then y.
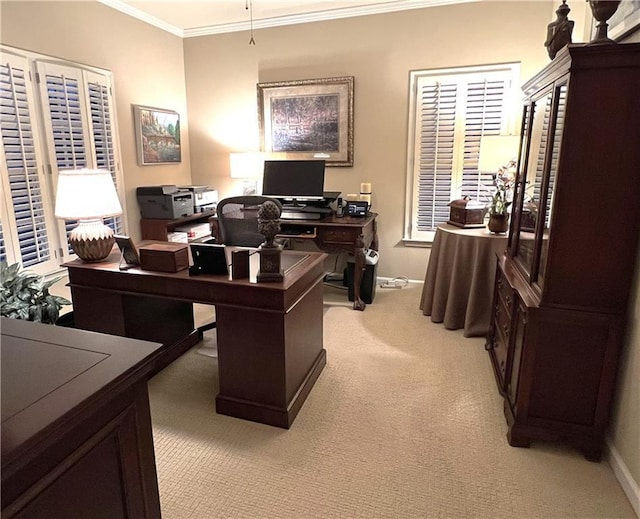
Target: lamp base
{"type": "Point", "coordinates": [92, 240]}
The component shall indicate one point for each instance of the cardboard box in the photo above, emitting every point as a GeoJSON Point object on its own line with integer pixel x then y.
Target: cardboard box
{"type": "Point", "coordinates": [164, 257]}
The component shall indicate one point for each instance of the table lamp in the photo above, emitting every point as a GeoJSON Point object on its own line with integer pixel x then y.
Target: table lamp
{"type": "Point", "coordinates": [88, 195]}
{"type": "Point", "coordinates": [496, 151]}
{"type": "Point", "coordinates": [248, 166]}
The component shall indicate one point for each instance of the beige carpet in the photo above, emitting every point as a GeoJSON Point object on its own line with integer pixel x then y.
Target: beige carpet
{"type": "Point", "coordinates": [404, 422]}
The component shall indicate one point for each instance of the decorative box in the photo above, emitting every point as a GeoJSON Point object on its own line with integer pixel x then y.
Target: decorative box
{"type": "Point", "coordinates": [467, 213]}
{"type": "Point", "coordinates": [164, 256]}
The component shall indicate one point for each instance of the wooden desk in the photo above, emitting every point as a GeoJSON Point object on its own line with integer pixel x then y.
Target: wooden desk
{"type": "Point", "coordinates": [270, 335]}
{"type": "Point", "coordinates": [458, 286]}
{"type": "Point", "coordinates": [76, 427]}
{"type": "Point", "coordinates": [334, 235]}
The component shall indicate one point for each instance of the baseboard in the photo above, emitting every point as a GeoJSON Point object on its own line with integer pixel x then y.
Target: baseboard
{"type": "Point", "coordinates": [624, 477]}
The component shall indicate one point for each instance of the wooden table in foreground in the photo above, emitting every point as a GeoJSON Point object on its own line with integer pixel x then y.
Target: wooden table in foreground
{"type": "Point", "coordinates": [270, 335]}
{"type": "Point", "coordinates": [76, 426]}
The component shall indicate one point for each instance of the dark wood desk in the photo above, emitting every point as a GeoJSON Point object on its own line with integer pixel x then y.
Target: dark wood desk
{"type": "Point", "coordinates": [76, 427]}
{"type": "Point", "coordinates": [334, 234]}
{"type": "Point", "coordinates": [270, 335]}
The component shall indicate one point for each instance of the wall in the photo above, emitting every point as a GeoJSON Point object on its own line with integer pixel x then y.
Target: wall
{"type": "Point", "coordinates": [221, 73]}
{"type": "Point", "coordinates": [147, 64]}
{"type": "Point", "coordinates": [379, 50]}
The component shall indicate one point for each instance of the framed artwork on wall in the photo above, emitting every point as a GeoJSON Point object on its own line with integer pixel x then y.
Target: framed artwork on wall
{"type": "Point", "coordinates": [308, 119]}
{"type": "Point", "coordinates": [157, 135]}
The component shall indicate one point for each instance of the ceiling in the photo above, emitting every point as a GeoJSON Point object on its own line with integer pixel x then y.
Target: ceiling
{"type": "Point", "coordinates": [202, 17]}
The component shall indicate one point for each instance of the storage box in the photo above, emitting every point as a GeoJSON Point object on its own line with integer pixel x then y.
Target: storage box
{"type": "Point", "coordinates": [164, 257]}
{"type": "Point", "coordinates": [467, 213]}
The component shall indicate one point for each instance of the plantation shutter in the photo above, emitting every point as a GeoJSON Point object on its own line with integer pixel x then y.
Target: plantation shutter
{"type": "Point", "coordinates": [54, 115]}
{"type": "Point", "coordinates": [27, 223]}
{"type": "Point", "coordinates": [435, 160]}
{"type": "Point", "coordinates": [102, 133]}
{"type": "Point", "coordinates": [453, 111]}
{"type": "Point", "coordinates": [79, 122]}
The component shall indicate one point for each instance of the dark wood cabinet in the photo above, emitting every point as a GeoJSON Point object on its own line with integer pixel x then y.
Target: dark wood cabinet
{"type": "Point", "coordinates": [76, 426]}
{"type": "Point", "coordinates": [563, 285]}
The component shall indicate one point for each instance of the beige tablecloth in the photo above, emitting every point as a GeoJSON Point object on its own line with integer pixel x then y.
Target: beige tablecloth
{"type": "Point", "coordinates": [458, 286]}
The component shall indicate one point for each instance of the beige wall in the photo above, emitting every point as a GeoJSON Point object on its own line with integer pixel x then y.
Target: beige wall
{"type": "Point", "coordinates": [379, 50]}
{"type": "Point", "coordinates": [221, 73]}
{"type": "Point", "coordinates": [147, 64]}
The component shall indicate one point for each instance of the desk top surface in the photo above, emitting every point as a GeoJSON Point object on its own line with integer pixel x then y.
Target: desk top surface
{"type": "Point", "coordinates": [48, 370]}
{"type": "Point", "coordinates": [302, 269]}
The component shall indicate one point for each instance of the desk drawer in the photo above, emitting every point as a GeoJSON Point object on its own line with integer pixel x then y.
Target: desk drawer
{"type": "Point", "coordinates": [338, 236]}
{"type": "Point", "coordinates": [505, 293]}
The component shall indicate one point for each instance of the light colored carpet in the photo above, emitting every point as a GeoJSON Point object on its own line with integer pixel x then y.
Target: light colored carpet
{"type": "Point", "coordinates": [405, 421]}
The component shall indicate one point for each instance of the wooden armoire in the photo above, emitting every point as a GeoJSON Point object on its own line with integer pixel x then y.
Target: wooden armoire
{"type": "Point", "coordinates": [563, 285]}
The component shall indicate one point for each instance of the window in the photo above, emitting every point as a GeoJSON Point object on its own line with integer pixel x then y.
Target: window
{"type": "Point", "coordinates": [450, 111]}
{"type": "Point", "coordinates": [54, 115]}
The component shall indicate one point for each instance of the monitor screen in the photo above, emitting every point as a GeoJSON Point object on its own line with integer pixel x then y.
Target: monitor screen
{"type": "Point", "coordinates": [294, 179]}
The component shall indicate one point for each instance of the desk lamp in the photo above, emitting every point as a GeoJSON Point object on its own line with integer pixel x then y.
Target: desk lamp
{"type": "Point", "coordinates": [248, 166]}
{"type": "Point", "coordinates": [88, 195]}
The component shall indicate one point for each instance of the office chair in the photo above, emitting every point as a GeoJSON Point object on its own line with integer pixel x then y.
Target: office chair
{"type": "Point", "coordinates": [238, 220]}
{"type": "Point", "coordinates": [238, 225]}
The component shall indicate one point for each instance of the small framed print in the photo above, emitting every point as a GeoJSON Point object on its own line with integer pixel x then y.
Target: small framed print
{"type": "Point", "coordinates": [129, 252]}
{"type": "Point", "coordinates": [157, 135]}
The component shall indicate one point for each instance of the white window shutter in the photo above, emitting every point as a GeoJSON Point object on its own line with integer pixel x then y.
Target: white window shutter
{"type": "Point", "coordinates": [102, 131]}
{"type": "Point", "coordinates": [451, 110]}
{"type": "Point", "coordinates": [27, 221]}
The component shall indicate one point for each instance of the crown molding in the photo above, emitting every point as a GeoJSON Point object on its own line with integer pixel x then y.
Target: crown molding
{"type": "Point", "coordinates": [265, 23]}
{"type": "Point", "coordinates": [141, 15]}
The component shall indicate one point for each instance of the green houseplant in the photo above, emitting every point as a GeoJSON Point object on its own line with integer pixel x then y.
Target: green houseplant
{"type": "Point", "coordinates": [25, 295]}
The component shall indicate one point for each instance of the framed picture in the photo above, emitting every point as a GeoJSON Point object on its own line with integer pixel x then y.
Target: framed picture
{"type": "Point", "coordinates": [625, 20]}
{"type": "Point", "coordinates": [157, 135]}
{"type": "Point", "coordinates": [128, 250]}
{"type": "Point", "coordinates": [308, 119]}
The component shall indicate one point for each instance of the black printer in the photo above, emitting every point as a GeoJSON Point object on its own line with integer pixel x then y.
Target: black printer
{"type": "Point", "coordinates": [165, 202]}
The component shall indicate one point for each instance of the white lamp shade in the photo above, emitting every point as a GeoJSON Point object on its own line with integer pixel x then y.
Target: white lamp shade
{"type": "Point", "coordinates": [86, 194]}
{"type": "Point", "coordinates": [496, 151]}
{"type": "Point", "coordinates": [246, 165]}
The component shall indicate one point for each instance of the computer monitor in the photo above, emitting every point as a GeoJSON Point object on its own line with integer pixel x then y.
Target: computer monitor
{"type": "Point", "coordinates": [294, 180]}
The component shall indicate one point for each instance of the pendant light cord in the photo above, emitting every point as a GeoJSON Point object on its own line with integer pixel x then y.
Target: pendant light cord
{"type": "Point", "coordinates": [249, 6]}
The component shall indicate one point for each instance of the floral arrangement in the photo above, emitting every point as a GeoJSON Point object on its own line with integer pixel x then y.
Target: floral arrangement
{"type": "Point", "coordinates": [503, 182]}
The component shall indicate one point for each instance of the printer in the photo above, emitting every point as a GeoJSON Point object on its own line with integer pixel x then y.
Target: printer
{"type": "Point", "coordinates": [204, 198]}
{"type": "Point", "coordinates": [166, 202]}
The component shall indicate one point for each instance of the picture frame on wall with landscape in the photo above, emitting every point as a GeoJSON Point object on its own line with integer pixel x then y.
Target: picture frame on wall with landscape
{"type": "Point", "coordinates": [157, 135]}
{"type": "Point", "coordinates": [308, 119]}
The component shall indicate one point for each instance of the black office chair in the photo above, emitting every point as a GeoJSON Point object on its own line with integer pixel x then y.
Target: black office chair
{"type": "Point", "coordinates": [238, 225]}
{"type": "Point", "coordinates": [238, 220]}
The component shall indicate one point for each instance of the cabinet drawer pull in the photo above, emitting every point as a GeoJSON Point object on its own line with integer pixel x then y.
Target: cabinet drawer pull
{"type": "Point", "coordinates": [508, 300]}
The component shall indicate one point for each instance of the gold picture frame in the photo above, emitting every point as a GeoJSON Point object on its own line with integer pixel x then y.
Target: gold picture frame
{"type": "Point", "coordinates": [308, 119]}
{"type": "Point", "coordinates": [157, 135]}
